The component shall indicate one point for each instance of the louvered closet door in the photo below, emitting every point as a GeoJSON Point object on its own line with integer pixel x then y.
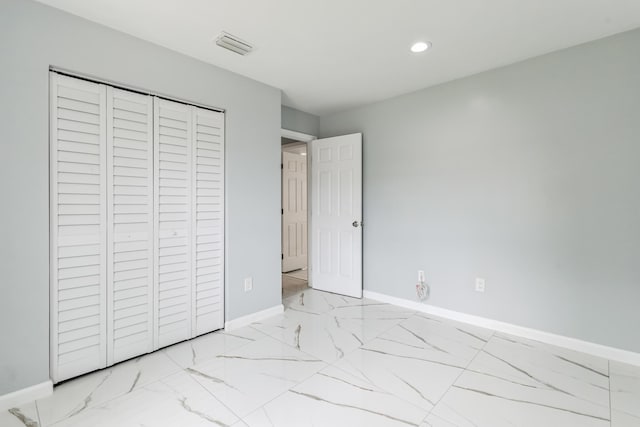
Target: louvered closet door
{"type": "Point", "coordinates": [78, 226]}
{"type": "Point", "coordinates": [208, 209]}
{"type": "Point", "coordinates": [173, 223]}
{"type": "Point", "coordinates": [130, 224]}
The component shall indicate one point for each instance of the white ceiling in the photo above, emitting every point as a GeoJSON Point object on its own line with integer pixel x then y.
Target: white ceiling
{"type": "Point", "coordinates": [330, 55]}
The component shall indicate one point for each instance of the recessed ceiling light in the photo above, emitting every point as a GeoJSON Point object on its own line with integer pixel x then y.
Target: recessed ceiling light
{"type": "Point", "coordinates": [303, 154]}
{"type": "Point", "coordinates": [420, 47]}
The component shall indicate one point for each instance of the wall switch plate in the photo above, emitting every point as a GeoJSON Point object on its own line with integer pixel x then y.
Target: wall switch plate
{"type": "Point", "coordinates": [479, 284]}
{"type": "Point", "coordinates": [248, 284]}
{"type": "Point", "coordinates": [420, 276]}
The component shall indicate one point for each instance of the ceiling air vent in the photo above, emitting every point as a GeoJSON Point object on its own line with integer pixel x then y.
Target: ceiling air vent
{"type": "Point", "coordinates": [233, 43]}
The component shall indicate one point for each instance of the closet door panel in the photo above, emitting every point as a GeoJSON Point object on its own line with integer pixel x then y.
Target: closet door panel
{"type": "Point", "coordinates": [78, 226]}
{"type": "Point", "coordinates": [173, 222]}
{"type": "Point", "coordinates": [208, 218]}
{"type": "Point", "coordinates": [130, 224]}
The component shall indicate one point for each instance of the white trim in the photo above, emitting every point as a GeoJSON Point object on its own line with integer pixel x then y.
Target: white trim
{"type": "Point", "coordinates": [53, 225]}
{"type": "Point", "coordinates": [253, 317]}
{"type": "Point", "coordinates": [156, 222]}
{"type": "Point", "coordinates": [123, 86]}
{"type": "Point", "coordinates": [193, 227]}
{"type": "Point", "coordinates": [26, 395]}
{"type": "Point", "coordinates": [594, 349]}
{"type": "Point", "coordinates": [110, 221]}
{"type": "Point", "coordinates": [298, 136]}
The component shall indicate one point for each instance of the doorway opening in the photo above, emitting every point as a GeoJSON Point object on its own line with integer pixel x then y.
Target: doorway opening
{"type": "Point", "coordinates": [295, 213]}
{"type": "Point", "coordinates": [321, 214]}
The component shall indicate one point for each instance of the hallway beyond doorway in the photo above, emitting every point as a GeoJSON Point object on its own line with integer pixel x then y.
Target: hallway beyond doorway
{"type": "Point", "coordinates": [294, 282]}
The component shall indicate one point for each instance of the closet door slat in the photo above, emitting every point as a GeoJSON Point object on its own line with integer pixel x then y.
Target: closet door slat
{"type": "Point", "coordinates": [173, 124]}
{"type": "Point", "coordinates": [207, 211]}
{"type": "Point", "coordinates": [78, 226]}
{"type": "Point", "coordinates": [130, 250]}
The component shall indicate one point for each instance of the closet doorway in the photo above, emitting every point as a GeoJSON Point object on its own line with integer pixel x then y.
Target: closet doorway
{"type": "Point", "coordinates": [137, 223]}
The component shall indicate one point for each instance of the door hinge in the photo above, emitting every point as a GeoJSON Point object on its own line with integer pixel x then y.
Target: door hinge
{"type": "Point", "coordinates": [281, 256]}
{"type": "Point", "coordinates": [281, 211]}
{"type": "Point", "coordinates": [281, 165]}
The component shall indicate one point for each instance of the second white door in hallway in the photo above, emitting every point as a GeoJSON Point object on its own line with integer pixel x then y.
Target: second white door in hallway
{"type": "Point", "coordinates": [294, 211]}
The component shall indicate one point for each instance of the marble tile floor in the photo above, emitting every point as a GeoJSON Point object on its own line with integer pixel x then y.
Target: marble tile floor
{"type": "Point", "coordinates": [330, 360]}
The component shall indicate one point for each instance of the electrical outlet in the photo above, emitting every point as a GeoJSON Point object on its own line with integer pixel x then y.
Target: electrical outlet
{"type": "Point", "coordinates": [479, 284]}
{"type": "Point", "coordinates": [420, 276]}
{"type": "Point", "coordinates": [248, 284]}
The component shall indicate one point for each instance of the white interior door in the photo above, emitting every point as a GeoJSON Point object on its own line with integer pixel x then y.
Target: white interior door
{"type": "Point", "coordinates": [294, 211]}
{"type": "Point", "coordinates": [336, 215]}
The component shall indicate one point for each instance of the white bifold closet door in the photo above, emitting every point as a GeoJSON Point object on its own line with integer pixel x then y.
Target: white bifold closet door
{"type": "Point", "coordinates": [78, 227]}
{"type": "Point", "coordinates": [137, 224]}
{"type": "Point", "coordinates": [130, 299]}
{"type": "Point", "coordinates": [189, 193]}
{"type": "Point", "coordinates": [173, 193]}
{"type": "Point", "coordinates": [208, 216]}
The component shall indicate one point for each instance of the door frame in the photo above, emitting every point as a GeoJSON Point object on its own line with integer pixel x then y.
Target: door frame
{"type": "Point", "coordinates": [306, 139]}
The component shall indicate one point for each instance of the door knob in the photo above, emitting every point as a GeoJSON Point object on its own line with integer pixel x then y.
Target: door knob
{"type": "Point", "coordinates": [356, 224]}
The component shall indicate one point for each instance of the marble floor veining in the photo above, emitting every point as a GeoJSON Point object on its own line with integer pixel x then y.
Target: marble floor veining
{"type": "Point", "coordinates": [330, 360]}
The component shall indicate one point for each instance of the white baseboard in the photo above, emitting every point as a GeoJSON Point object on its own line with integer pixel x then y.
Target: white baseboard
{"type": "Point", "coordinates": [599, 350]}
{"type": "Point", "coordinates": [253, 317]}
{"type": "Point", "coordinates": [25, 395]}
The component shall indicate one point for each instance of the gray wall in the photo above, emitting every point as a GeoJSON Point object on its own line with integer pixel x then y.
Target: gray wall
{"type": "Point", "coordinates": [300, 121]}
{"type": "Point", "coordinates": [527, 176]}
{"type": "Point", "coordinates": [33, 37]}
